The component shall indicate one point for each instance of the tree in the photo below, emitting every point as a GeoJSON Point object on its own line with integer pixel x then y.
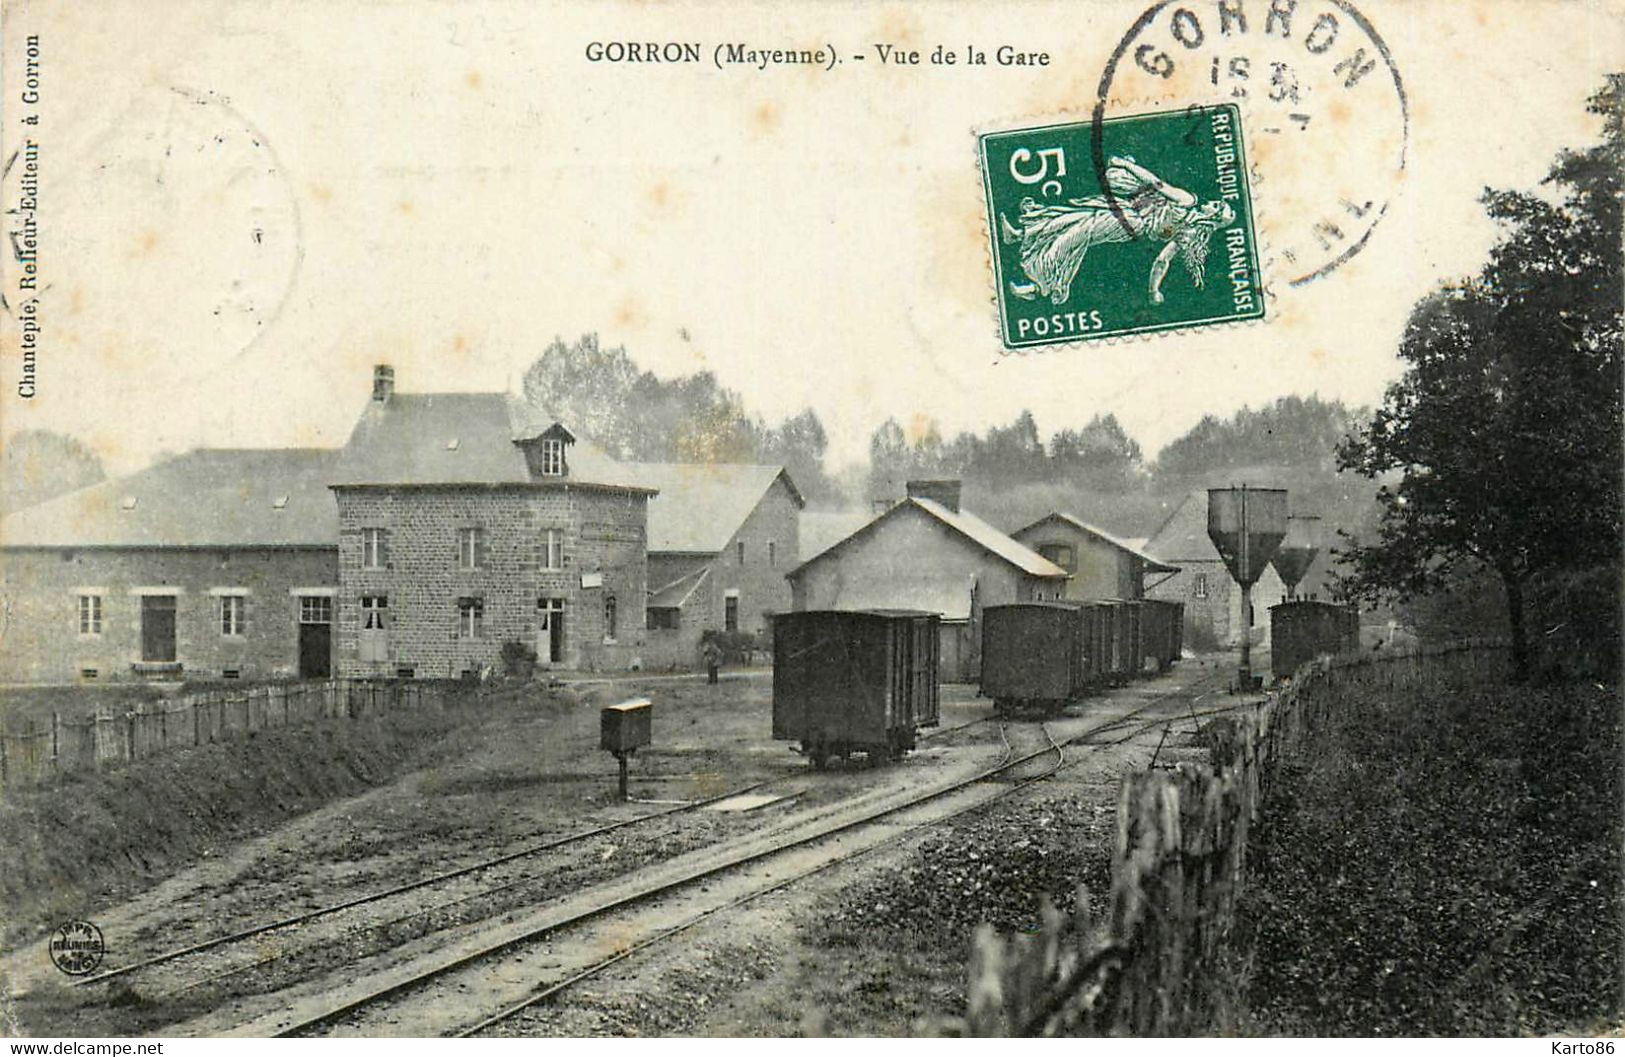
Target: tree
{"type": "Point", "coordinates": [1099, 457]}
{"type": "Point", "coordinates": [632, 414]}
{"type": "Point", "coordinates": [1501, 442]}
{"type": "Point", "coordinates": [1295, 432]}
{"type": "Point", "coordinates": [40, 464]}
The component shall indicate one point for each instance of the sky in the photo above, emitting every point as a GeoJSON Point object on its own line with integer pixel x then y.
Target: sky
{"type": "Point", "coordinates": [245, 206]}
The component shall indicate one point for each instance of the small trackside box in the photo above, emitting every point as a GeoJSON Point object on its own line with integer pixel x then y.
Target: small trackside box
{"type": "Point", "coordinates": [626, 726]}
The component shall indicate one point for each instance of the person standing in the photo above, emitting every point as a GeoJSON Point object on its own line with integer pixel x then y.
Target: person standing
{"type": "Point", "coordinates": [713, 660]}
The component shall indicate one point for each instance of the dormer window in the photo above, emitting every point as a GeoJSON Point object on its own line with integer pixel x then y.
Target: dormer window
{"type": "Point", "coordinates": [544, 452]}
{"type": "Point", "coordinates": [552, 457]}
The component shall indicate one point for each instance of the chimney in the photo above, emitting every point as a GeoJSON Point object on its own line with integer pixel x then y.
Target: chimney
{"type": "Point", "coordinates": [383, 383]}
{"type": "Point", "coordinates": [944, 491]}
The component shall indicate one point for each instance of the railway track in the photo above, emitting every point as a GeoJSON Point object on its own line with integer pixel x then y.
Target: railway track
{"type": "Point", "coordinates": [429, 981]}
{"type": "Point", "coordinates": [555, 990]}
{"type": "Point", "coordinates": [269, 929]}
{"type": "Point", "coordinates": [346, 914]}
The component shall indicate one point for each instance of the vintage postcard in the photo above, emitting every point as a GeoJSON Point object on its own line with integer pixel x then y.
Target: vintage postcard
{"type": "Point", "coordinates": [919, 519]}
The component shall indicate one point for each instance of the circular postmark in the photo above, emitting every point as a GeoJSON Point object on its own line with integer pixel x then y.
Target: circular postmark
{"type": "Point", "coordinates": [77, 947]}
{"type": "Point", "coordinates": [1323, 109]}
{"type": "Point", "coordinates": [176, 237]}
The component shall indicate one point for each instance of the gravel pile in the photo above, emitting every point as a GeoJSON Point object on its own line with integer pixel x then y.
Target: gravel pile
{"type": "Point", "coordinates": [996, 867]}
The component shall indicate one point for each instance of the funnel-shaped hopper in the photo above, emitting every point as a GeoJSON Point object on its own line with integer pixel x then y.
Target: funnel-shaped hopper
{"type": "Point", "coordinates": [1246, 525]}
{"type": "Point", "coordinates": [1298, 550]}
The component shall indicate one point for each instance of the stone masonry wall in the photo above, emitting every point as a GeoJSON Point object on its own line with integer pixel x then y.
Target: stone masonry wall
{"type": "Point", "coordinates": [41, 640]}
{"type": "Point", "coordinates": [423, 580]}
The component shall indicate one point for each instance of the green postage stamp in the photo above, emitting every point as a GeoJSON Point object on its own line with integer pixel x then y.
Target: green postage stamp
{"type": "Point", "coordinates": [1151, 229]}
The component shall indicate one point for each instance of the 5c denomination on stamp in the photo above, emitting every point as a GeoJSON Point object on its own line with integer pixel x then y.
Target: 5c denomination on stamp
{"type": "Point", "coordinates": [1160, 237]}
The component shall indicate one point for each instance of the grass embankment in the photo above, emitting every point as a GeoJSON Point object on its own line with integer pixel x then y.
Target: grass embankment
{"type": "Point", "coordinates": [1444, 864]}
{"type": "Point", "coordinates": [94, 837]}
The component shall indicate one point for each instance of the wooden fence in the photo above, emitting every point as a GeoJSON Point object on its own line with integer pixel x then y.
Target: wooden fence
{"type": "Point", "coordinates": [1153, 962]}
{"type": "Point", "coordinates": [109, 737]}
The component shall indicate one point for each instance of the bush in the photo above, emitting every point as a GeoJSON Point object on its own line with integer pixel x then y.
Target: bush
{"type": "Point", "coordinates": [736, 646]}
{"type": "Point", "coordinates": [518, 661]}
{"type": "Point", "coordinates": [1574, 626]}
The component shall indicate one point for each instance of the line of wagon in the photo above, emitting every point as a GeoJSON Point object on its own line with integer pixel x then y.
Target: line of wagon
{"type": "Point", "coordinates": [866, 681]}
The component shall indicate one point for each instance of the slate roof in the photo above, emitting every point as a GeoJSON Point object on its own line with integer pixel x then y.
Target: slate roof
{"type": "Point", "coordinates": [823, 529]}
{"type": "Point", "coordinates": [461, 438]}
{"type": "Point", "coordinates": [1183, 537]}
{"type": "Point", "coordinates": [701, 505]}
{"type": "Point", "coordinates": [211, 497]}
{"type": "Point", "coordinates": [1130, 546]}
{"type": "Point", "coordinates": [677, 593]}
{"type": "Point", "coordinates": [967, 525]}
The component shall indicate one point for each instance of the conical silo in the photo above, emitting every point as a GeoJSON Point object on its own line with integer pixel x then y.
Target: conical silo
{"type": "Point", "coordinates": [1246, 525]}
{"type": "Point", "coordinates": [1298, 550]}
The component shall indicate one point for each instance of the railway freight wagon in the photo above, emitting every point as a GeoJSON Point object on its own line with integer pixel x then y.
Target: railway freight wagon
{"type": "Point", "coordinates": [1162, 632]}
{"type": "Point", "coordinates": [1127, 650]}
{"type": "Point", "coordinates": [854, 681]}
{"type": "Point", "coordinates": [1302, 631]}
{"type": "Point", "coordinates": [1039, 654]}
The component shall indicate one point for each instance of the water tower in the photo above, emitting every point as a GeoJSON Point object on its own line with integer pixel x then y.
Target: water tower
{"type": "Point", "coordinates": [1297, 551]}
{"type": "Point", "coordinates": [1247, 525]}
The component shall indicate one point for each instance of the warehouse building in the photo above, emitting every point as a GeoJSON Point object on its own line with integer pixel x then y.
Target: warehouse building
{"type": "Point", "coordinates": [926, 553]}
{"type": "Point", "coordinates": [217, 564]}
{"type": "Point", "coordinates": [1101, 565]}
{"type": "Point", "coordinates": [721, 538]}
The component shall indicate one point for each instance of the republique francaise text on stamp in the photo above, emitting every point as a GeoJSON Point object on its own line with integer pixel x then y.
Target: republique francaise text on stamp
{"type": "Point", "coordinates": [1158, 237]}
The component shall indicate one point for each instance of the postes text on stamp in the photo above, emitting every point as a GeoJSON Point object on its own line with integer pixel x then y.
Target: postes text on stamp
{"type": "Point", "coordinates": [1135, 224]}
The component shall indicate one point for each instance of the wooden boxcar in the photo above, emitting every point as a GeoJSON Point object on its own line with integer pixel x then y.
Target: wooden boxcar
{"type": "Point", "coordinates": [1162, 632]}
{"type": "Point", "coordinates": [1302, 631]}
{"type": "Point", "coordinates": [1126, 659]}
{"type": "Point", "coordinates": [854, 681]}
{"type": "Point", "coordinates": [1038, 654]}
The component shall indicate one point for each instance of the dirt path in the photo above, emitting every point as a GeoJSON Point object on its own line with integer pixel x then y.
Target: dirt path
{"type": "Point", "coordinates": [840, 952]}
{"type": "Point", "coordinates": [540, 776]}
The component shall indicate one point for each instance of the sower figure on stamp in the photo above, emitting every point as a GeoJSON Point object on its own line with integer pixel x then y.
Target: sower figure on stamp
{"type": "Point", "coordinates": [1055, 238]}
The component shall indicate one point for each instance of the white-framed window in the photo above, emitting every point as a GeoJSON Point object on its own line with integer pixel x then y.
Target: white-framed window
{"type": "Point", "coordinates": [552, 457]}
{"type": "Point", "coordinates": [469, 542]}
{"type": "Point", "coordinates": [315, 609]}
{"type": "Point", "coordinates": [374, 548]}
{"type": "Point", "coordinates": [739, 551]}
{"type": "Point", "coordinates": [611, 618]}
{"type": "Point", "coordinates": [233, 614]}
{"type": "Point", "coordinates": [552, 549]}
{"type": "Point", "coordinates": [730, 613]}
{"type": "Point", "coordinates": [470, 617]}
{"type": "Point", "coordinates": [90, 614]}
{"type": "Point", "coordinates": [1199, 585]}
